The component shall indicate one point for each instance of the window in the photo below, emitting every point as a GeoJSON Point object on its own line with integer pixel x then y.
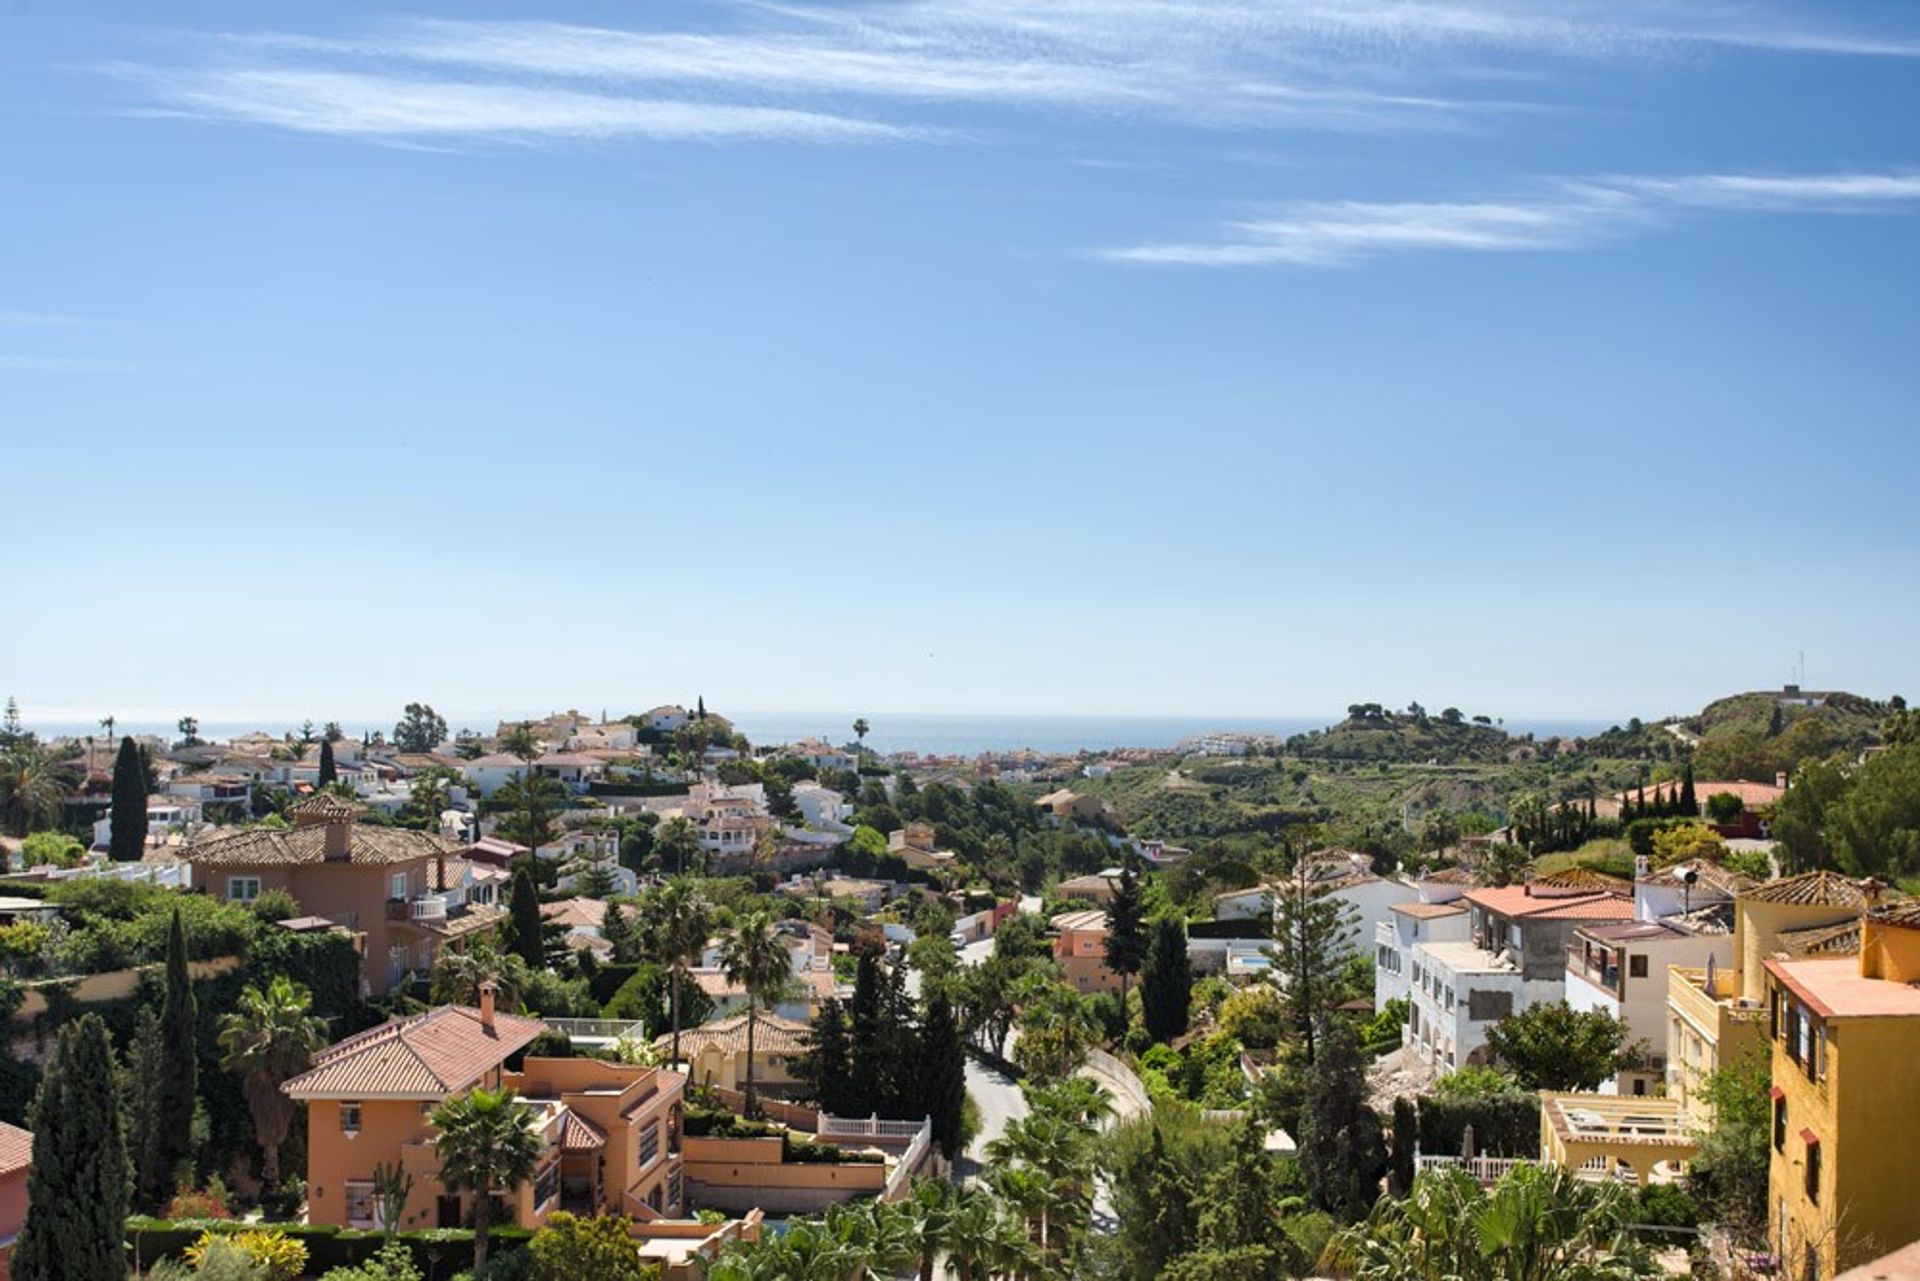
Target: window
{"type": "Point", "coordinates": [1813, 1165]}
{"type": "Point", "coordinates": [243, 889]}
{"type": "Point", "coordinates": [350, 1117]}
{"type": "Point", "coordinates": [649, 1144]}
{"type": "Point", "coordinates": [397, 885]}
{"type": "Point", "coordinates": [1637, 967]}
{"type": "Point", "coordinates": [359, 1204]}
{"type": "Point", "coordinates": [1819, 1060]}
{"type": "Point", "coordinates": [1779, 1121]}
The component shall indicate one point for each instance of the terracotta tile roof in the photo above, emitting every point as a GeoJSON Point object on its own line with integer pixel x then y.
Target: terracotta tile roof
{"type": "Point", "coordinates": [576, 913]}
{"type": "Point", "coordinates": [772, 1035]}
{"type": "Point", "coordinates": [1905, 914]}
{"type": "Point", "coordinates": [1606, 907]}
{"type": "Point", "coordinates": [16, 1148]}
{"type": "Point", "coordinates": [1710, 875]}
{"type": "Point", "coordinates": [1583, 878]}
{"type": "Point", "coordinates": [326, 806]}
{"type": "Point", "coordinates": [1091, 919]}
{"type": "Point", "coordinates": [477, 917]}
{"type": "Point", "coordinates": [1524, 900]}
{"type": "Point", "coordinates": [1823, 940]}
{"type": "Point", "coordinates": [1449, 876]}
{"type": "Point", "coordinates": [1814, 889]}
{"type": "Point", "coordinates": [582, 1135]}
{"type": "Point", "coordinates": [267, 847]}
{"type": "Point", "coordinates": [427, 1056]}
{"type": "Point", "coordinates": [818, 984]}
{"type": "Point", "coordinates": [1427, 911]}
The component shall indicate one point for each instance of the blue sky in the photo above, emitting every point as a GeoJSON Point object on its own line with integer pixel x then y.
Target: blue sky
{"type": "Point", "coordinates": [1152, 356]}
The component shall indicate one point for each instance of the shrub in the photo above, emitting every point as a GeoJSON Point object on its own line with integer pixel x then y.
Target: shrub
{"type": "Point", "coordinates": [275, 1255]}
{"type": "Point", "coordinates": [209, 1202]}
{"type": "Point", "coordinates": [275, 905]}
{"type": "Point", "coordinates": [56, 848]}
{"type": "Point", "coordinates": [1667, 1205]}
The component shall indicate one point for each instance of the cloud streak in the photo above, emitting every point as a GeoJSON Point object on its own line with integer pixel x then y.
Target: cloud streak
{"type": "Point", "coordinates": [1563, 215]}
{"type": "Point", "coordinates": [790, 71]}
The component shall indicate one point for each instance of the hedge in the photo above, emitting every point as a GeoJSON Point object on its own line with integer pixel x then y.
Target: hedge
{"type": "Point", "coordinates": [1503, 1125]}
{"type": "Point", "coordinates": [438, 1252]}
{"type": "Point", "coordinates": [601, 788]}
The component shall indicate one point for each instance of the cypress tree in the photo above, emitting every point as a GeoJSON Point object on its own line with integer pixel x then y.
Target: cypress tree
{"type": "Point", "coordinates": [180, 1072]}
{"type": "Point", "coordinates": [621, 936]}
{"type": "Point", "coordinates": [866, 1073]}
{"type": "Point", "coordinates": [328, 771]}
{"type": "Point", "coordinates": [129, 812]}
{"type": "Point", "coordinates": [525, 925]}
{"type": "Point", "coordinates": [1406, 1137]}
{"type": "Point", "coordinates": [828, 1064]}
{"type": "Point", "coordinates": [1341, 1155]}
{"type": "Point", "coordinates": [145, 1071]}
{"type": "Point", "coordinates": [77, 1189]}
{"type": "Point", "coordinates": [1166, 981]}
{"type": "Point", "coordinates": [943, 1074]}
{"type": "Point", "coordinates": [1126, 928]}
{"type": "Point", "coordinates": [1689, 804]}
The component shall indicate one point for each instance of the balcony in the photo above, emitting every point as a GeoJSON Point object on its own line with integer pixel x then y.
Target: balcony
{"type": "Point", "coordinates": [426, 909]}
{"type": "Point", "coordinates": [1597, 966]}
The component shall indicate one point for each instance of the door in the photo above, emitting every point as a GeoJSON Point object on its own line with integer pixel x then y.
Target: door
{"type": "Point", "coordinates": [449, 1212]}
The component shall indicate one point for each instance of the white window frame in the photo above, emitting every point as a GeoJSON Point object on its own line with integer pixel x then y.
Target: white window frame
{"type": "Point", "coordinates": [233, 889]}
{"type": "Point", "coordinates": [357, 1117]}
{"type": "Point", "coordinates": [397, 886]}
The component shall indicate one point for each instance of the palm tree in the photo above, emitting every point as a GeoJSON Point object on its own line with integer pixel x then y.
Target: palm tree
{"type": "Point", "coordinates": [676, 844]}
{"type": "Point", "coordinates": [459, 972]}
{"type": "Point", "coordinates": [1538, 1223]}
{"type": "Point", "coordinates": [485, 1140]}
{"type": "Point", "coordinates": [931, 1208]}
{"type": "Point", "coordinates": [268, 1039]}
{"type": "Point", "coordinates": [860, 729]}
{"type": "Point", "coordinates": [33, 784]}
{"type": "Point", "coordinates": [679, 921]}
{"type": "Point", "coordinates": [756, 959]}
{"type": "Point", "coordinates": [984, 1241]}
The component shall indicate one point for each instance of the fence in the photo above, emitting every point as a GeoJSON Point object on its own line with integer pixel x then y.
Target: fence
{"type": "Point", "coordinates": [604, 1031]}
{"type": "Point", "coordinates": [850, 1127]}
{"type": "Point", "coordinates": [902, 1174]}
{"type": "Point", "coordinates": [1485, 1169]}
{"type": "Point", "coordinates": [1129, 1091]}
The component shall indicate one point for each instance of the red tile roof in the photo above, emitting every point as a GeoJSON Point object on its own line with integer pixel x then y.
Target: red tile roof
{"type": "Point", "coordinates": [581, 1135]}
{"type": "Point", "coordinates": [1525, 900]}
{"type": "Point", "coordinates": [427, 1056]}
{"type": "Point", "coordinates": [1583, 878]}
{"type": "Point", "coordinates": [1815, 889]}
{"type": "Point", "coordinates": [16, 1148]}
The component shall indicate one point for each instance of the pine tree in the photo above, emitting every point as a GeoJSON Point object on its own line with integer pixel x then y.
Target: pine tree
{"type": "Point", "coordinates": [77, 1190]}
{"type": "Point", "coordinates": [1689, 803]}
{"type": "Point", "coordinates": [526, 926]}
{"type": "Point", "coordinates": [828, 1064]}
{"type": "Point", "coordinates": [621, 935]}
{"type": "Point", "coordinates": [943, 1074]}
{"type": "Point", "coordinates": [1166, 981]}
{"type": "Point", "coordinates": [1126, 928]}
{"type": "Point", "coordinates": [180, 1061]}
{"type": "Point", "coordinates": [1341, 1155]}
{"type": "Point", "coordinates": [129, 812]}
{"type": "Point", "coordinates": [329, 773]}
{"type": "Point", "coordinates": [1310, 933]}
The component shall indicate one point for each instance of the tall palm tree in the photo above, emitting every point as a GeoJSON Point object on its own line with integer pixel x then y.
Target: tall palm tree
{"type": "Point", "coordinates": [984, 1241]}
{"type": "Point", "coordinates": [268, 1039]}
{"type": "Point", "coordinates": [679, 921]}
{"type": "Point", "coordinates": [931, 1208]}
{"type": "Point", "coordinates": [755, 958]}
{"type": "Point", "coordinates": [485, 1140]}
{"type": "Point", "coordinates": [33, 784]}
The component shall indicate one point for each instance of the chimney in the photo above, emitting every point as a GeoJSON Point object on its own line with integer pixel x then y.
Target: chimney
{"type": "Point", "coordinates": [338, 842]}
{"type": "Point", "coordinates": [486, 1004]}
{"type": "Point", "coordinates": [1780, 779]}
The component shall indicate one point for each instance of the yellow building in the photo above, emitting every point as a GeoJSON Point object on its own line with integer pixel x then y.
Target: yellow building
{"type": "Point", "coordinates": [1846, 1113]}
{"type": "Point", "coordinates": [1713, 1015]}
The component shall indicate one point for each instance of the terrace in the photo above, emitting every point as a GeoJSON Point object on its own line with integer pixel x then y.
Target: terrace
{"type": "Point", "coordinates": [1616, 1136]}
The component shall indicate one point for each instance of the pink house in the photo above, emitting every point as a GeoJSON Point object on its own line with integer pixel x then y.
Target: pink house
{"type": "Point", "coordinates": [16, 1158]}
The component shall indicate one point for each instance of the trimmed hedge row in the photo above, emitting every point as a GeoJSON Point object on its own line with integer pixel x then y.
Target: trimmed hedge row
{"type": "Point", "coordinates": [438, 1253]}
{"type": "Point", "coordinates": [1503, 1125]}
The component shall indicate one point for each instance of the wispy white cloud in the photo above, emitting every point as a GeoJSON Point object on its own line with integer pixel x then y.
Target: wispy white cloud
{"type": "Point", "coordinates": [1560, 215]}
{"type": "Point", "coordinates": [789, 70]}
{"type": "Point", "coordinates": [355, 103]}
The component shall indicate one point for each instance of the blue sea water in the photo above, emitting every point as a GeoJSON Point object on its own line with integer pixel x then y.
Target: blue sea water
{"type": "Point", "coordinates": [930, 734]}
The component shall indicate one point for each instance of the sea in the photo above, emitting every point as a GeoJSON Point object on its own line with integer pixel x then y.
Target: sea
{"type": "Point", "coordinates": [928, 733]}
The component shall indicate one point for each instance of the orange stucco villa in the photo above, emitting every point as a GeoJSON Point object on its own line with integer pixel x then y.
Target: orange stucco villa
{"type": "Point", "coordinates": [406, 894]}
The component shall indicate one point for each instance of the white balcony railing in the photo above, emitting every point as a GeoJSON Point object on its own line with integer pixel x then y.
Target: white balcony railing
{"type": "Point", "coordinates": [429, 907]}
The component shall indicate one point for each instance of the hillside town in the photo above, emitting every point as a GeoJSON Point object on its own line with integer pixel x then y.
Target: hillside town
{"type": "Point", "coordinates": [580, 996]}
